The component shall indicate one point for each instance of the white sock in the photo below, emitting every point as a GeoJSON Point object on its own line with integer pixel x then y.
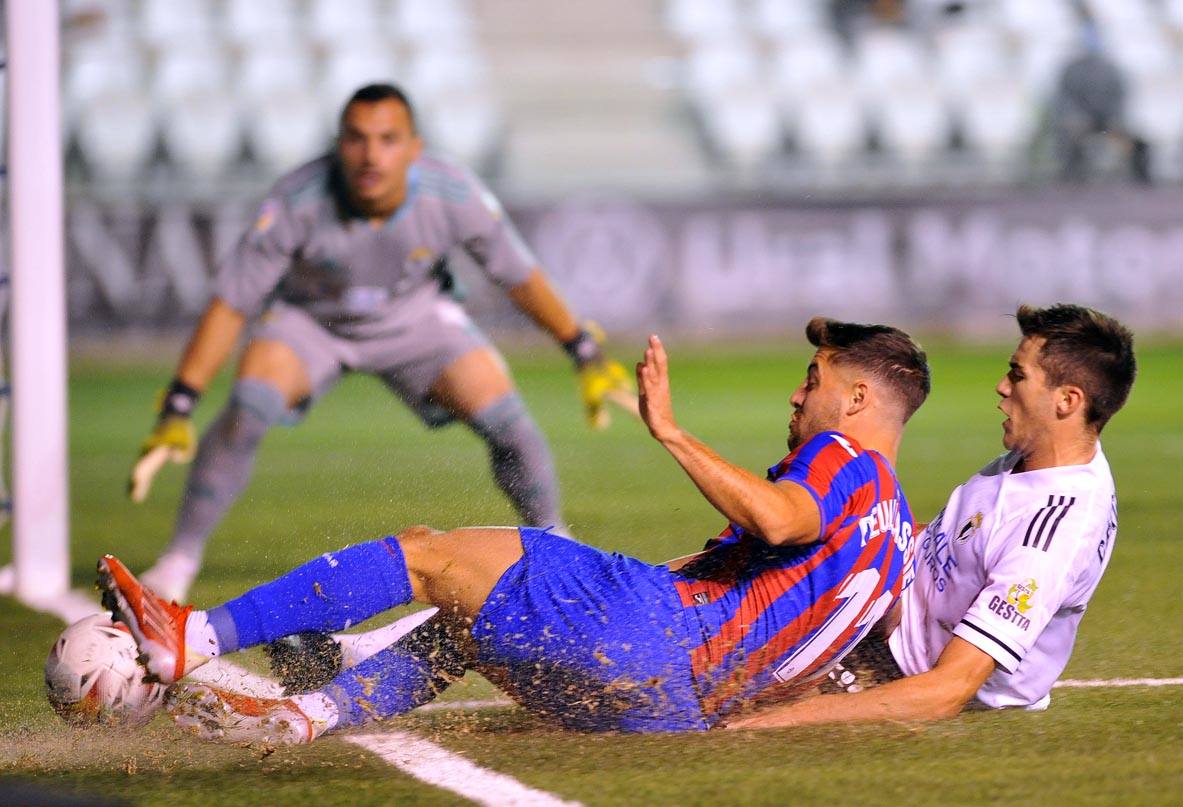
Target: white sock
{"type": "Point", "coordinates": [320, 709]}
{"type": "Point", "coordinates": [200, 636]}
{"type": "Point", "coordinates": [357, 647]}
{"type": "Point", "coordinates": [171, 576]}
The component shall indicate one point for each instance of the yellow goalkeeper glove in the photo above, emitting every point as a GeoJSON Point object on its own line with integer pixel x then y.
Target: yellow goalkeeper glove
{"type": "Point", "coordinates": [601, 379]}
{"type": "Point", "coordinates": [172, 439]}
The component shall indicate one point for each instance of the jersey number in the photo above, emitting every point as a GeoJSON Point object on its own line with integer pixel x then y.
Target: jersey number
{"type": "Point", "coordinates": [853, 597]}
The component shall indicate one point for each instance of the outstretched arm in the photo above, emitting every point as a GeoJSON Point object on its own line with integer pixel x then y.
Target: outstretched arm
{"type": "Point", "coordinates": [939, 693]}
{"type": "Point", "coordinates": [538, 299]}
{"type": "Point", "coordinates": [780, 513]}
{"type": "Point", "coordinates": [211, 343]}
{"type": "Point", "coordinates": [601, 379]}
{"type": "Point", "coordinates": [173, 437]}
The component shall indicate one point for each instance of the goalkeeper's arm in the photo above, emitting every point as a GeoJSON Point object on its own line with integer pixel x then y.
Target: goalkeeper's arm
{"type": "Point", "coordinates": [214, 337]}
{"type": "Point", "coordinates": [601, 379]}
{"type": "Point", "coordinates": [172, 437]}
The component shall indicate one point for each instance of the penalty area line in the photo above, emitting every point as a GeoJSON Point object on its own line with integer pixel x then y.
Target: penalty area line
{"type": "Point", "coordinates": [438, 766]}
{"type": "Point", "coordinates": [413, 755]}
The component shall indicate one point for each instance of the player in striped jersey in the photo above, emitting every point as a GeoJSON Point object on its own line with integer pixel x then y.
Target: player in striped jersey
{"type": "Point", "coordinates": [1006, 569]}
{"type": "Point", "coordinates": [811, 559]}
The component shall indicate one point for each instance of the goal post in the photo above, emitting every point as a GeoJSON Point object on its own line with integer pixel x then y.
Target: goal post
{"type": "Point", "coordinates": [37, 318]}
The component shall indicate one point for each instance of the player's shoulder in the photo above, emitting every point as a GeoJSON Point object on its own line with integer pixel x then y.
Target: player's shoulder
{"type": "Point", "coordinates": [308, 182]}
{"type": "Point", "coordinates": [831, 450]}
{"type": "Point", "coordinates": [1056, 509]}
{"type": "Point", "coordinates": [446, 179]}
{"type": "Point", "coordinates": [1076, 485]}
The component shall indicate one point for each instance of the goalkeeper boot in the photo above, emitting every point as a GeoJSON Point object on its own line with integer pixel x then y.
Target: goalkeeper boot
{"type": "Point", "coordinates": [157, 625]}
{"type": "Point", "coordinates": [232, 717]}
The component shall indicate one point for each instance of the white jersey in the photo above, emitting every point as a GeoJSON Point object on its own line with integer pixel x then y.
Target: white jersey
{"type": "Point", "coordinates": [1009, 565]}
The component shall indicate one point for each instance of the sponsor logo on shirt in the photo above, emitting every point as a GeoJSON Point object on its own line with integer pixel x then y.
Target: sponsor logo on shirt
{"type": "Point", "coordinates": [935, 551]}
{"type": "Point", "coordinates": [1019, 594]}
{"type": "Point", "coordinates": [1110, 530]}
{"type": "Point", "coordinates": [1009, 612]}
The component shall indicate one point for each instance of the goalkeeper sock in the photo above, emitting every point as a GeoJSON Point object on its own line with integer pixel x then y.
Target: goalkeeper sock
{"type": "Point", "coordinates": [332, 592]}
{"type": "Point", "coordinates": [225, 458]}
{"type": "Point", "coordinates": [394, 681]}
{"type": "Point", "coordinates": [521, 460]}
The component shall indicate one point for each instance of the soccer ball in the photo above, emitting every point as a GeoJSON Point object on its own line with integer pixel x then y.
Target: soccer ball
{"type": "Point", "coordinates": [92, 676]}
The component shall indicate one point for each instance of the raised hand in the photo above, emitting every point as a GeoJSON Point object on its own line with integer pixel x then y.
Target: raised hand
{"type": "Point", "coordinates": [653, 383]}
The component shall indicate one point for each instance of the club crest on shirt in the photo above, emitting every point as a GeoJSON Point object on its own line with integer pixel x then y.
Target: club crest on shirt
{"type": "Point", "coordinates": [969, 528]}
{"type": "Point", "coordinates": [1019, 594]}
{"type": "Point", "coordinates": [266, 216]}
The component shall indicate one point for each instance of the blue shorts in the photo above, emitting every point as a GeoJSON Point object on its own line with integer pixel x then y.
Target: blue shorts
{"type": "Point", "coordinates": [595, 641]}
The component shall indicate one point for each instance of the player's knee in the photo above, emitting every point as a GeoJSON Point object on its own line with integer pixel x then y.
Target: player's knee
{"type": "Point", "coordinates": [505, 423]}
{"type": "Point", "coordinates": [253, 408]}
{"type": "Point", "coordinates": [416, 535]}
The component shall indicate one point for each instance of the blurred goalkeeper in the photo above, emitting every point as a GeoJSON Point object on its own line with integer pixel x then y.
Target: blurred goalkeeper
{"type": "Point", "coordinates": [345, 270]}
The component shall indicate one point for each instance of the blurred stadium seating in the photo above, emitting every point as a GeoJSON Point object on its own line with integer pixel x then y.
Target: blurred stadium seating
{"type": "Point", "coordinates": [675, 96]}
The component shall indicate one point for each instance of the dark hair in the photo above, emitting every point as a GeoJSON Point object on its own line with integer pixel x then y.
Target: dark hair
{"type": "Point", "coordinates": [373, 93]}
{"type": "Point", "coordinates": [1085, 348]}
{"type": "Point", "coordinates": [887, 353]}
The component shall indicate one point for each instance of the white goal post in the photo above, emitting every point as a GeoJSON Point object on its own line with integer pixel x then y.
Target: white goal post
{"type": "Point", "coordinates": [40, 571]}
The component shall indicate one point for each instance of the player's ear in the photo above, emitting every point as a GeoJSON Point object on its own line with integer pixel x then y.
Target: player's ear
{"type": "Point", "coordinates": [860, 396]}
{"type": "Point", "coordinates": [1069, 400]}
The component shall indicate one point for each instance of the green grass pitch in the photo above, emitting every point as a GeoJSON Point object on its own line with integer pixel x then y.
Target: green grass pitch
{"type": "Point", "coordinates": [361, 466]}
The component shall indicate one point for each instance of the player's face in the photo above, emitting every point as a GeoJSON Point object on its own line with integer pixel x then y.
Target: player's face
{"type": "Point", "coordinates": [818, 402]}
{"type": "Point", "coordinates": [376, 145]}
{"type": "Point", "coordinates": [1027, 401]}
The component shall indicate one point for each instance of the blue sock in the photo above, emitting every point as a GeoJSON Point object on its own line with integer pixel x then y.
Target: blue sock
{"type": "Point", "coordinates": [391, 682]}
{"type": "Point", "coordinates": [330, 593]}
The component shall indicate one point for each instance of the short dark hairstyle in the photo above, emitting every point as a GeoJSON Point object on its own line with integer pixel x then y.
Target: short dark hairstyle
{"type": "Point", "coordinates": [1085, 348]}
{"type": "Point", "coordinates": [887, 353]}
{"type": "Point", "coordinates": [373, 93]}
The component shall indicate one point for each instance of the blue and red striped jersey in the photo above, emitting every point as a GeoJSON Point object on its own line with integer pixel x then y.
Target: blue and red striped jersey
{"type": "Point", "coordinates": [787, 614]}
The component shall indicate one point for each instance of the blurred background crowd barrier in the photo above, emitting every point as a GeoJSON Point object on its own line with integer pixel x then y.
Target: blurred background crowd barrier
{"type": "Point", "coordinates": [727, 267]}
{"type": "Point", "coordinates": [717, 164]}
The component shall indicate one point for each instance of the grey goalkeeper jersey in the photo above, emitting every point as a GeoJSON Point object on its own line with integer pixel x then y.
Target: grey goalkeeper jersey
{"type": "Point", "coordinates": [307, 248]}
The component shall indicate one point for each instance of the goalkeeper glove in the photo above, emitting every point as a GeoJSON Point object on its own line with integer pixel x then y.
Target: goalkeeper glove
{"type": "Point", "coordinates": [173, 438]}
{"type": "Point", "coordinates": [601, 379]}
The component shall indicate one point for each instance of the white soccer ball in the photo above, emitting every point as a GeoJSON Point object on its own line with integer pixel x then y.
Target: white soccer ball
{"type": "Point", "coordinates": [92, 676]}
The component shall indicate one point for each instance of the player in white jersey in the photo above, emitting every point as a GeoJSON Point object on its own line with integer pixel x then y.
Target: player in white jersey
{"type": "Point", "coordinates": [1005, 571]}
{"type": "Point", "coordinates": [1009, 566]}
{"type": "Point", "coordinates": [345, 270]}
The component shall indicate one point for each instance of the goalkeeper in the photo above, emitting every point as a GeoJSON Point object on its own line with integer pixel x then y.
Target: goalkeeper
{"type": "Point", "coordinates": [345, 270]}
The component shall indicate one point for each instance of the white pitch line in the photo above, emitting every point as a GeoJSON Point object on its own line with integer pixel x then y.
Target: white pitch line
{"type": "Point", "coordinates": [414, 756]}
{"type": "Point", "coordinates": [1098, 683]}
{"type": "Point", "coordinates": [468, 706]}
{"type": "Point", "coordinates": [438, 766]}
